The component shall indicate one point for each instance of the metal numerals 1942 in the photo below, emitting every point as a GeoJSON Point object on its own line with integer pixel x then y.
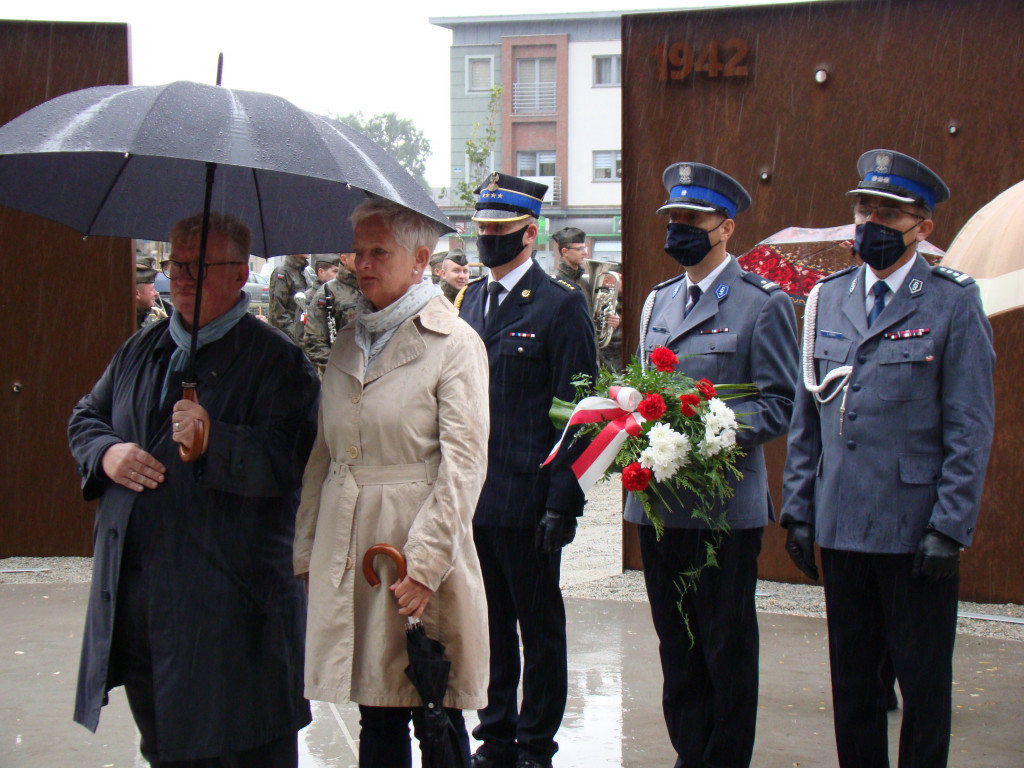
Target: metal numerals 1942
{"type": "Point", "coordinates": [679, 60]}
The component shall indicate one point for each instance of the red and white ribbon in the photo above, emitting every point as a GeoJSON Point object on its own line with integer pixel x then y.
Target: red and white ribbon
{"type": "Point", "coordinates": [623, 421]}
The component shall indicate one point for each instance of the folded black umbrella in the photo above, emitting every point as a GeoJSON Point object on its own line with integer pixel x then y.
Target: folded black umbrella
{"type": "Point", "coordinates": [428, 671]}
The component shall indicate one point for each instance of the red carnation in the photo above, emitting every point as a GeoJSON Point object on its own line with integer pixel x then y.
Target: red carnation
{"type": "Point", "coordinates": [635, 477]}
{"type": "Point", "coordinates": [706, 388]}
{"type": "Point", "coordinates": [664, 359]}
{"type": "Point", "coordinates": [652, 407]}
{"type": "Point", "coordinates": [688, 405]}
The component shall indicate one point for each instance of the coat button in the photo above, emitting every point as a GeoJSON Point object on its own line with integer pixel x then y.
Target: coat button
{"type": "Point", "coordinates": [105, 596]}
{"type": "Point", "coordinates": [862, 359]}
{"type": "Point", "coordinates": [855, 387]}
{"type": "Point", "coordinates": [353, 451]}
{"type": "Point", "coordinates": [852, 415]}
{"type": "Point", "coordinates": [851, 445]}
{"type": "Point", "coordinates": [348, 563]}
{"type": "Point", "coordinates": [906, 353]}
{"type": "Point", "coordinates": [113, 534]}
{"type": "Point", "coordinates": [519, 350]}
{"type": "Point", "coordinates": [355, 398]}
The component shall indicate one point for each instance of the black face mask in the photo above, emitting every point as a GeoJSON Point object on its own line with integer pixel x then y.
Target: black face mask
{"type": "Point", "coordinates": [688, 245]}
{"type": "Point", "coordinates": [496, 250]}
{"type": "Point", "coordinates": [879, 247]}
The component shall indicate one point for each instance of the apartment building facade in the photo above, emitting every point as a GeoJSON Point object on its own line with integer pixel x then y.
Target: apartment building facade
{"type": "Point", "coordinates": [557, 121]}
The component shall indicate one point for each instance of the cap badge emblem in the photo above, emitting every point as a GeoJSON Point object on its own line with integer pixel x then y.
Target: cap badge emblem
{"type": "Point", "coordinates": [883, 162]}
{"type": "Point", "coordinates": [686, 174]}
{"type": "Point", "coordinates": [493, 186]}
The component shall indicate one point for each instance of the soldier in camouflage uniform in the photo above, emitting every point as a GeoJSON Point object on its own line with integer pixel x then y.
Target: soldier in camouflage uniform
{"type": "Point", "coordinates": [454, 274]}
{"type": "Point", "coordinates": [336, 298]}
{"type": "Point", "coordinates": [149, 307]}
{"type": "Point", "coordinates": [285, 281]}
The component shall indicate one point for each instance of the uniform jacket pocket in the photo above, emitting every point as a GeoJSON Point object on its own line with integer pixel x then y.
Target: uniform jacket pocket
{"type": "Point", "coordinates": [920, 468]}
{"type": "Point", "coordinates": [903, 368]}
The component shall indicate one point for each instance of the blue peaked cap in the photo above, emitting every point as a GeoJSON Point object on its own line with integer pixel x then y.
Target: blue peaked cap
{"type": "Point", "coordinates": [700, 187]}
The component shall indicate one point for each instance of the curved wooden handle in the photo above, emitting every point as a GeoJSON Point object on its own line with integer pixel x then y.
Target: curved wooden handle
{"type": "Point", "coordinates": [382, 549]}
{"type": "Point", "coordinates": [194, 451]}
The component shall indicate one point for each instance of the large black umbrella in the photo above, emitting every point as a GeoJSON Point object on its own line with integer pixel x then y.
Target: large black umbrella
{"type": "Point", "coordinates": [130, 161]}
{"type": "Point", "coordinates": [428, 671]}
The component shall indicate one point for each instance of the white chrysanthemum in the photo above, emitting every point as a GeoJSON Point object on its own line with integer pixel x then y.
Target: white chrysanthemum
{"type": "Point", "coordinates": [719, 428]}
{"type": "Point", "coordinates": [667, 452]}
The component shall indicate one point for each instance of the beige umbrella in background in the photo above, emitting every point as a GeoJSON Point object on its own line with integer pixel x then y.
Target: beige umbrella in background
{"type": "Point", "coordinates": [990, 248]}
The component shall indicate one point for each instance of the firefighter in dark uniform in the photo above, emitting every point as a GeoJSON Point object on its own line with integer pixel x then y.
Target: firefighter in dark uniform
{"type": "Point", "coordinates": [728, 326]}
{"type": "Point", "coordinates": [538, 336]}
{"type": "Point", "coordinates": [886, 462]}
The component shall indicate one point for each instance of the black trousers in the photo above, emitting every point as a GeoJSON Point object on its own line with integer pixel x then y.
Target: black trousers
{"type": "Point", "coordinates": [709, 695]}
{"type": "Point", "coordinates": [522, 587]}
{"type": "Point", "coordinates": [384, 735]}
{"type": "Point", "coordinates": [876, 606]}
{"type": "Point", "coordinates": [132, 664]}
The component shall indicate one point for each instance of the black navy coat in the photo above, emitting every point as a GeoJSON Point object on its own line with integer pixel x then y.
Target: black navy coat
{"type": "Point", "coordinates": [227, 617]}
{"type": "Point", "coordinates": [541, 337]}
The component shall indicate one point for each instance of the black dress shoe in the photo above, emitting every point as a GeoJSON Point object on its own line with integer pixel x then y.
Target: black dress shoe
{"type": "Point", "coordinates": [483, 761]}
{"type": "Point", "coordinates": [524, 762]}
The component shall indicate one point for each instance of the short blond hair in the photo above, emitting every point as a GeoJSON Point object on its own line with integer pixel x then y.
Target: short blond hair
{"type": "Point", "coordinates": [233, 229]}
{"type": "Point", "coordinates": [410, 229]}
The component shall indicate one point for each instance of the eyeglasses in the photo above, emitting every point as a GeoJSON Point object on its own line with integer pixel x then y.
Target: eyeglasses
{"type": "Point", "coordinates": [173, 269]}
{"type": "Point", "coordinates": [576, 247]}
{"type": "Point", "coordinates": [884, 214]}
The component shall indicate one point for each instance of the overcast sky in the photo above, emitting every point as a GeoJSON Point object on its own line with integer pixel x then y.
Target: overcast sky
{"type": "Point", "coordinates": [326, 56]}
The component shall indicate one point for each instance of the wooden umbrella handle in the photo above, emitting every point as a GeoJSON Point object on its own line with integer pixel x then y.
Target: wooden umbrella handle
{"type": "Point", "coordinates": [382, 549]}
{"type": "Point", "coordinates": [194, 451]}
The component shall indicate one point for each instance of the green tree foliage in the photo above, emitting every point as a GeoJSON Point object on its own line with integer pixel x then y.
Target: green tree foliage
{"type": "Point", "coordinates": [399, 136]}
{"type": "Point", "coordinates": [479, 146]}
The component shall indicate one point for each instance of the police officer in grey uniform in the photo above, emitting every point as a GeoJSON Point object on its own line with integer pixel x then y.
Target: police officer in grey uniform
{"type": "Point", "coordinates": [887, 455]}
{"type": "Point", "coordinates": [538, 336]}
{"type": "Point", "coordinates": [728, 326]}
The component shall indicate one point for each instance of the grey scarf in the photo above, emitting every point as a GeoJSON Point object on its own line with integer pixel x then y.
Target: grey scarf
{"type": "Point", "coordinates": [375, 329]}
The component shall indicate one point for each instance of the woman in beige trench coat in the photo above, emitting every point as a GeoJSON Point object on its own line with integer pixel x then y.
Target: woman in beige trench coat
{"type": "Point", "coordinates": [400, 457]}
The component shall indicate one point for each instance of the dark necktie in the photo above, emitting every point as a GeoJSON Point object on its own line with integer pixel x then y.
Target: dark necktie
{"type": "Point", "coordinates": [694, 294]}
{"type": "Point", "coordinates": [878, 290]}
{"type": "Point", "coordinates": [494, 289]}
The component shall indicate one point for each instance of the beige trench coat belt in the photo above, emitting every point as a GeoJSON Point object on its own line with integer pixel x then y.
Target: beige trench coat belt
{"type": "Point", "coordinates": [391, 474]}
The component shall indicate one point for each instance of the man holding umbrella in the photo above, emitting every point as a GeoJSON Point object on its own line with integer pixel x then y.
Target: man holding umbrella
{"type": "Point", "coordinates": [193, 606]}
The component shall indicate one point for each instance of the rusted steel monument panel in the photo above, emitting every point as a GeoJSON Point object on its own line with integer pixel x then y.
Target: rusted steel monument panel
{"type": "Point", "coordinates": [66, 306]}
{"type": "Point", "coordinates": [785, 99]}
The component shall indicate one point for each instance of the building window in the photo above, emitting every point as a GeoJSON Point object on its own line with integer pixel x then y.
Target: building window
{"type": "Point", "coordinates": [608, 165]}
{"type": "Point", "coordinates": [535, 163]}
{"type": "Point", "coordinates": [479, 76]}
{"type": "Point", "coordinates": [608, 70]}
{"type": "Point", "coordinates": [535, 87]}
{"type": "Point", "coordinates": [479, 172]}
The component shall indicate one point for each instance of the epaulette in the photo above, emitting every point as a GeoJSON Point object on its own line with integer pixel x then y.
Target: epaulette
{"type": "Point", "coordinates": [562, 283]}
{"type": "Point", "coordinates": [761, 282]}
{"type": "Point", "coordinates": [476, 280]}
{"type": "Point", "coordinates": [834, 275]}
{"type": "Point", "coordinates": [668, 282]}
{"type": "Point", "coordinates": [460, 296]}
{"type": "Point", "coordinates": [956, 276]}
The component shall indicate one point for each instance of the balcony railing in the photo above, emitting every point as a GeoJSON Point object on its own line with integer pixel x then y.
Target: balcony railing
{"type": "Point", "coordinates": [534, 98]}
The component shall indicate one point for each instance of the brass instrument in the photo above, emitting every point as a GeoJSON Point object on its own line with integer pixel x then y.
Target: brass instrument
{"type": "Point", "coordinates": [603, 286]}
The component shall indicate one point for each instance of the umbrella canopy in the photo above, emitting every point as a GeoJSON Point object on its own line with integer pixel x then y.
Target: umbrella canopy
{"type": "Point", "coordinates": [990, 248]}
{"type": "Point", "coordinates": [130, 161]}
{"type": "Point", "coordinates": [797, 257]}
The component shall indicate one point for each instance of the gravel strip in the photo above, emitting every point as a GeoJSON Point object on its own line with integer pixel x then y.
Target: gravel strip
{"type": "Point", "coordinates": [591, 568]}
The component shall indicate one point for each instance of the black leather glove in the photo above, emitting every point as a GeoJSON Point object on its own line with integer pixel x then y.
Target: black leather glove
{"type": "Point", "coordinates": [554, 531]}
{"type": "Point", "coordinates": [800, 546]}
{"type": "Point", "coordinates": [938, 556]}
